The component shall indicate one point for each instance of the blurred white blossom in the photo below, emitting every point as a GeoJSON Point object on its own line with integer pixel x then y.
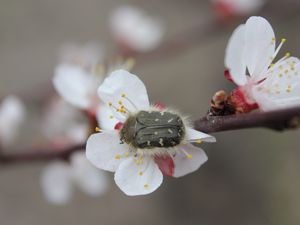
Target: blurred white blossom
{"type": "Point", "coordinates": [238, 7]}
{"type": "Point", "coordinates": [132, 28]}
{"type": "Point", "coordinates": [252, 49]}
{"type": "Point", "coordinates": [139, 171]}
{"type": "Point", "coordinates": [59, 179]}
{"type": "Point", "coordinates": [86, 55]}
{"type": "Point", "coordinates": [78, 86]}
{"type": "Point", "coordinates": [64, 124]}
{"type": "Point", "coordinates": [12, 116]}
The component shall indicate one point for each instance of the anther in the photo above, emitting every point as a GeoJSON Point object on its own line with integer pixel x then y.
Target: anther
{"type": "Point", "coordinates": [97, 129]}
{"type": "Point", "coordinates": [189, 156]}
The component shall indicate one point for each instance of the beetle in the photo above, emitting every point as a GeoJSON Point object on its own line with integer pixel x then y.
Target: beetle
{"type": "Point", "coordinates": [153, 129]}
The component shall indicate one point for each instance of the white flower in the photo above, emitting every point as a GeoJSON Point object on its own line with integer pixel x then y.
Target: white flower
{"type": "Point", "coordinates": [161, 145]}
{"type": "Point", "coordinates": [59, 179]}
{"type": "Point", "coordinates": [238, 7]}
{"type": "Point", "coordinates": [64, 124]}
{"type": "Point", "coordinates": [86, 56]}
{"type": "Point", "coordinates": [251, 49]}
{"type": "Point", "coordinates": [136, 30]}
{"type": "Point", "coordinates": [12, 115]}
{"type": "Point", "coordinates": [78, 86]}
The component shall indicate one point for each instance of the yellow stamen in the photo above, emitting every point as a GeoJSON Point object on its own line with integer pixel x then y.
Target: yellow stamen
{"type": "Point", "coordinates": [97, 129]}
{"type": "Point", "coordinates": [189, 156]}
{"type": "Point", "coordinates": [199, 141]}
{"type": "Point", "coordinates": [117, 156]}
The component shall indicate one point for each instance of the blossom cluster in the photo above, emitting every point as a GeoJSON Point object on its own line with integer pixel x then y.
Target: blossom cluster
{"type": "Point", "coordinates": [101, 103]}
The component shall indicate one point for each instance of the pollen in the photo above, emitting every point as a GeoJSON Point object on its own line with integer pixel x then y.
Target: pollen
{"type": "Point", "coordinates": [129, 64]}
{"type": "Point", "coordinates": [126, 154]}
{"type": "Point", "coordinates": [111, 117]}
{"type": "Point", "coordinates": [123, 95]}
{"type": "Point", "coordinates": [117, 156]}
{"type": "Point", "coordinates": [97, 129]}
{"type": "Point", "coordinates": [146, 186]}
{"type": "Point", "coordinates": [287, 54]}
{"type": "Point", "coordinates": [199, 141]}
{"type": "Point", "coordinates": [283, 40]}
{"type": "Point", "coordinates": [120, 102]}
{"type": "Point", "coordinates": [189, 156]}
{"type": "Point", "coordinates": [280, 75]}
{"type": "Point", "coordinates": [109, 104]}
{"type": "Point", "coordinates": [141, 173]}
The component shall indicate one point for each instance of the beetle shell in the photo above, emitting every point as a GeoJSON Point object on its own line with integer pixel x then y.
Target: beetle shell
{"type": "Point", "coordinates": [153, 129]}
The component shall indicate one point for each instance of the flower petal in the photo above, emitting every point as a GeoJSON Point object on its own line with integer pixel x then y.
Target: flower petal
{"type": "Point", "coordinates": [56, 182]}
{"type": "Point", "coordinates": [75, 85]}
{"type": "Point", "coordinates": [235, 56]}
{"type": "Point", "coordinates": [138, 178]}
{"type": "Point", "coordinates": [105, 151]}
{"type": "Point", "coordinates": [185, 165]}
{"type": "Point", "coordinates": [105, 118]}
{"type": "Point", "coordinates": [90, 179]}
{"type": "Point", "coordinates": [193, 135]}
{"type": "Point", "coordinates": [123, 88]}
{"type": "Point", "coordinates": [133, 27]}
{"type": "Point", "coordinates": [281, 88]}
{"type": "Point", "coordinates": [86, 55]}
{"type": "Point", "coordinates": [260, 46]}
{"type": "Point", "coordinates": [12, 116]}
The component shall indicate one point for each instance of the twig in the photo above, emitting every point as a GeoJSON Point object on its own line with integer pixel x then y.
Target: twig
{"type": "Point", "coordinates": [40, 155]}
{"type": "Point", "coordinates": [276, 120]}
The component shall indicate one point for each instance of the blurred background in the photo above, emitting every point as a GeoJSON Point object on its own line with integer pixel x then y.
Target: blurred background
{"type": "Point", "coordinates": [251, 177]}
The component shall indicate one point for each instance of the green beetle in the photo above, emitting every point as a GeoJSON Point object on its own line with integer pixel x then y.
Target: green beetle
{"type": "Point", "coordinates": [153, 129]}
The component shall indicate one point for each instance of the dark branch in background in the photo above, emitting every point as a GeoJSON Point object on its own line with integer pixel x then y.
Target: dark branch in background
{"type": "Point", "coordinates": [40, 155]}
{"type": "Point", "coordinates": [278, 120]}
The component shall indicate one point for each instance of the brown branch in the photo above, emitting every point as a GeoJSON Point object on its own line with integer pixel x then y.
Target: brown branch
{"type": "Point", "coordinates": [276, 120]}
{"type": "Point", "coordinates": [40, 155]}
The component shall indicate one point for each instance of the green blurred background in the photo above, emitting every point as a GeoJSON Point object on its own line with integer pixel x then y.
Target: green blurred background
{"type": "Point", "coordinates": [251, 177]}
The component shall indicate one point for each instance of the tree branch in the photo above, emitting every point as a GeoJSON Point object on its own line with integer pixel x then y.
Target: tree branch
{"type": "Point", "coordinates": [40, 155]}
{"type": "Point", "coordinates": [278, 120]}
